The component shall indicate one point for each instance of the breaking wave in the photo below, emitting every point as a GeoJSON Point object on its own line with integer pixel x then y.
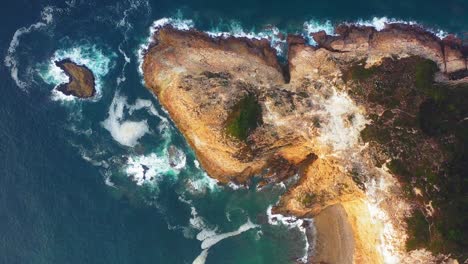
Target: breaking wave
{"type": "Point", "coordinates": [150, 168]}
{"type": "Point", "coordinates": [300, 224]}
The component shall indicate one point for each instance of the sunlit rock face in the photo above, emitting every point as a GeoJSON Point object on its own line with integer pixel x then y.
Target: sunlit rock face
{"type": "Point", "coordinates": [81, 79]}
{"type": "Point", "coordinates": [245, 114]}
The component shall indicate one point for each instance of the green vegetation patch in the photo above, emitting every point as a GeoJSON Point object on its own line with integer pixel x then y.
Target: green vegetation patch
{"type": "Point", "coordinates": [308, 199]}
{"type": "Point", "coordinates": [372, 132]}
{"type": "Point", "coordinates": [418, 231]}
{"type": "Point", "coordinates": [424, 80]}
{"type": "Point", "coordinates": [359, 72]}
{"type": "Point", "coordinates": [424, 130]}
{"type": "Point", "coordinates": [245, 117]}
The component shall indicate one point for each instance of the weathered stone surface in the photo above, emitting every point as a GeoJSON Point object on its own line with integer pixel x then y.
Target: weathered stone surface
{"type": "Point", "coordinates": [355, 43]}
{"type": "Point", "coordinates": [454, 59]}
{"type": "Point", "coordinates": [81, 82]}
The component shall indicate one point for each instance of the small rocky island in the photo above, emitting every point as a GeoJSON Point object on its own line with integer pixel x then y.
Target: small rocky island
{"type": "Point", "coordinates": [374, 123]}
{"type": "Point", "coordinates": [81, 79]}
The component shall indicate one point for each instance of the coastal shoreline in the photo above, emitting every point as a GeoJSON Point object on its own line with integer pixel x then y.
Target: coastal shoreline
{"type": "Point", "coordinates": [189, 60]}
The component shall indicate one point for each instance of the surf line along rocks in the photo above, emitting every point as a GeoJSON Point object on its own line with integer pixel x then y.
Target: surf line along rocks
{"type": "Point", "coordinates": [245, 114]}
{"type": "Point", "coordinates": [81, 79]}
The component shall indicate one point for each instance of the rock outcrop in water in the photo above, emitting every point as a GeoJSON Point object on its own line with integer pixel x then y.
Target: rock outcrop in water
{"type": "Point", "coordinates": [81, 79]}
{"type": "Point", "coordinates": [245, 114]}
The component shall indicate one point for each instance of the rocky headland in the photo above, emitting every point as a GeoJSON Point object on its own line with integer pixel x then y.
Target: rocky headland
{"type": "Point", "coordinates": [81, 79]}
{"type": "Point", "coordinates": [374, 123]}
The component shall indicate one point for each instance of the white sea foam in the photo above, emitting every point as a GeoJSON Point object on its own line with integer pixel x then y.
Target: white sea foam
{"type": "Point", "coordinates": [201, 259]}
{"type": "Point", "coordinates": [294, 222]}
{"type": "Point", "coordinates": [88, 55]}
{"type": "Point", "coordinates": [121, 78]}
{"type": "Point", "coordinates": [47, 17]}
{"type": "Point", "coordinates": [56, 95]}
{"type": "Point", "coordinates": [164, 125]}
{"type": "Point", "coordinates": [201, 183]}
{"type": "Point", "coordinates": [313, 26]}
{"type": "Point", "coordinates": [209, 241]}
{"type": "Point", "coordinates": [126, 26]}
{"type": "Point", "coordinates": [210, 238]}
{"type": "Point", "coordinates": [148, 105]}
{"type": "Point", "coordinates": [235, 186]}
{"type": "Point", "coordinates": [379, 23]}
{"type": "Point", "coordinates": [126, 133]}
{"type": "Point", "coordinates": [149, 168]}
{"type": "Point", "coordinates": [208, 235]}
{"type": "Point", "coordinates": [270, 33]}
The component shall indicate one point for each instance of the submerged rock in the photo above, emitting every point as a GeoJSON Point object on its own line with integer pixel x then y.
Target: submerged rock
{"type": "Point", "coordinates": [81, 79]}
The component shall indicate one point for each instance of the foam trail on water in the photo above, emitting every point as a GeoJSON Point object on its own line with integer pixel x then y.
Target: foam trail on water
{"type": "Point", "coordinates": [201, 259]}
{"type": "Point", "coordinates": [121, 78]}
{"type": "Point", "coordinates": [294, 222]}
{"type": "Point", "coordinates": [210, 238]}
{"type": "Point", "coordinates": [126, 26]}
{"type": "Point", "coordinates": [126, 133]}
{"type": "Point", "coordinates": [11, 59]}
{"type": "Point", "coordinates": [208, 235]}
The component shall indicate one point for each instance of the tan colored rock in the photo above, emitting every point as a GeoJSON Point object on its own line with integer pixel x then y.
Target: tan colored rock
{"type": "Point", "coordinates": [396, 40]}
{"type": "Point", "coordinates": [81, 82]}
{"type": "Point", "coordinates": [403, 41]}
{"type": "Point", "coordinates": [324, 183]}
{"type": "Point", "coordinates": [454, 59]}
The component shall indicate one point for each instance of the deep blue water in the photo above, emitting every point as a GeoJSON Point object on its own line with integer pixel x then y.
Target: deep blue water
{"type": "Point", "coordinates": [65, 191]}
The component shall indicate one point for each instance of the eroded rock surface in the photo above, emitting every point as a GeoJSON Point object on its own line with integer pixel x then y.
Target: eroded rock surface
{"type": "Point", "coordinates": [82, 82]}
